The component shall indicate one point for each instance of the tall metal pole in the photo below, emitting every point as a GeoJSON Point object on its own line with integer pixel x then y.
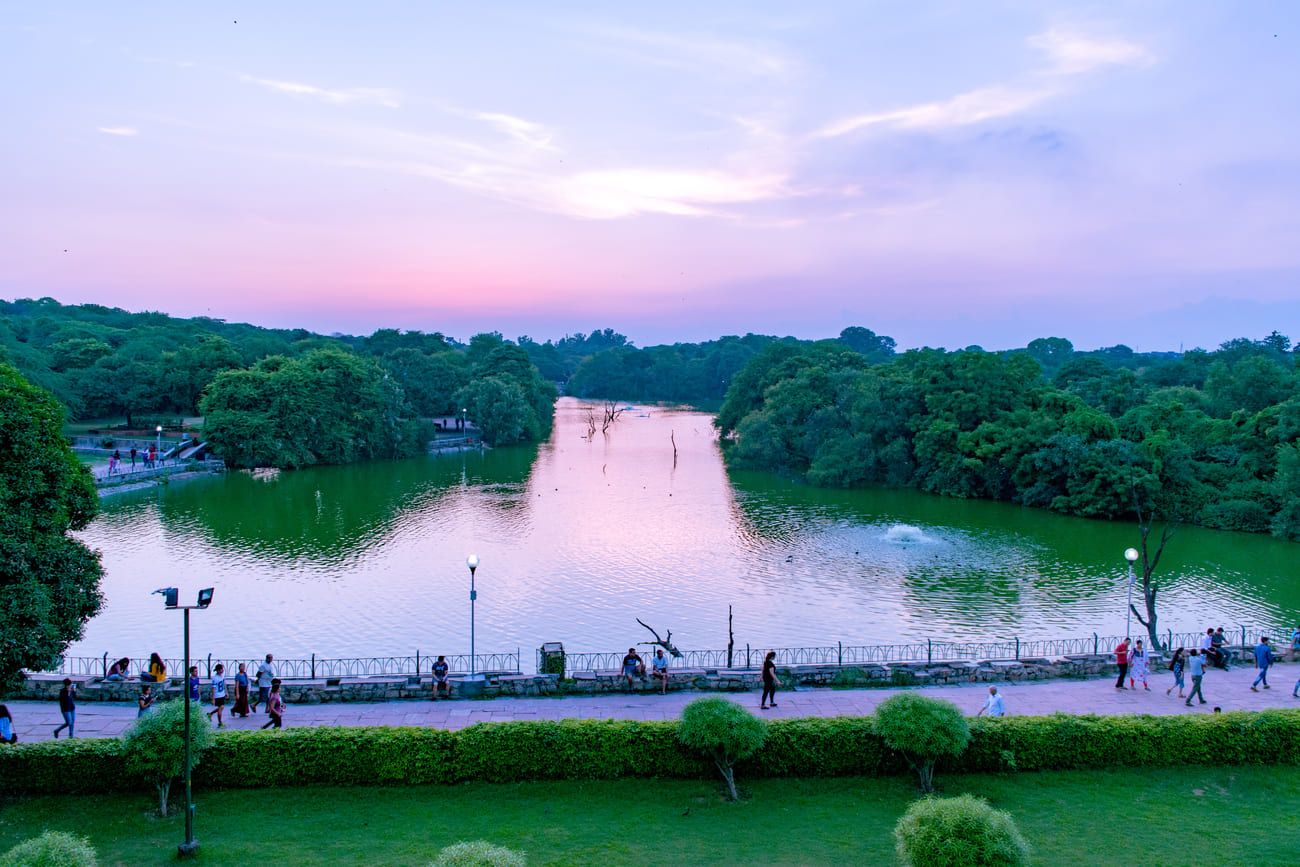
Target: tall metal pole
{"type": "Point", "coordinates": [190, 845]}
{"type": "Point", "coordinates": [1128, 612]}
{"type": "Point", "coordinates": [473, 594]}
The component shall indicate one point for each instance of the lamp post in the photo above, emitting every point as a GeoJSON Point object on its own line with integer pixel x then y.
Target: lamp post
{"type": "Point", "coordinates": [472, 562]}
{"type": "Point", "coordinates": [1131, 555]}
{"type": "Point", "coordinates": [158, 430]}
{"type": "Point", "coordinates": [169, 595]}
{"type": "Point", "coordinates": [464, 423]}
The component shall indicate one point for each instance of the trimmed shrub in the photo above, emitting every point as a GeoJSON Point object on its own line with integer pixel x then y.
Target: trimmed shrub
{"type": "Point", "coordinates": [924, 730]}
{"type": "Point", "coordinates": [155, 745]}
{"type": "Point", "coordinates": [723, 730]}
{"type": "Point", "coordinates": [966, 831]}
{"type": "Point", "coordinates": [572, 750]}
{"type": "Point", "coordinates": [479, 853]}
{"type": "Point", "coordinates": [51, 849]}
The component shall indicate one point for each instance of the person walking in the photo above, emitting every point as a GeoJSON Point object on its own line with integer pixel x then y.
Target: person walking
{"type": "Point", "coordinates": [1196, 663]}
{"type": "Point", "coordinates": [134, 452]}
{"type": "Point", "coordinates": [275, 706]}
{"type": "Point", "coordinates": [218, 695]}
{"type": "Point", "coordinates": [1121, 659]}
{"type": "Point", "coordinates": [1263, 659]}
{"type": "Point", "coordinates": [193, 683]}
{"type": "Point", "coordinates": [145, 702]}
{"type": "Point", "coordinates": [7, 735]}
{"type": "Point", "coordinates": [1176, 665]}
{"type": "Point", "coordinates": [1295, 641]}
{"type": "Point", "coordinates": [993, 705]}
{"type": "Point", "coordinates": [1139, 666]}
{"type": "Point", "coordinates": [241, 693]}
{"type": "Point", "coordinates": [265, 679]}
{"type": "Point", "coordinates": [770, 681]}
{"type": "Point", "coordinates": [68, 707]}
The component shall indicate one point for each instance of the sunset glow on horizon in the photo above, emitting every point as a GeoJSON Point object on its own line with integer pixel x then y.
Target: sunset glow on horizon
{"type": "Point", "coordinates": [946, 173]}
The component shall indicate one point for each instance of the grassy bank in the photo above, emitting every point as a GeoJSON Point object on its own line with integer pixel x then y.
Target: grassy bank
{"type": "Point", "coordinates": [1238, 815]}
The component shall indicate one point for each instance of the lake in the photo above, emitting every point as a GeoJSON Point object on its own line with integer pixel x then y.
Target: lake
{"type": "Point", "coordinates": [579, 538]}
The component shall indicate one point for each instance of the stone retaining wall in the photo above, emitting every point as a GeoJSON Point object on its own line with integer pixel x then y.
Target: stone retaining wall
{"type": "Point", "coordinates": [377, 689]}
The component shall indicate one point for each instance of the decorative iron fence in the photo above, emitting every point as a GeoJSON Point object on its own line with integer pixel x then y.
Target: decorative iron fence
{"type": "Point", "coordinates": [313, 667]}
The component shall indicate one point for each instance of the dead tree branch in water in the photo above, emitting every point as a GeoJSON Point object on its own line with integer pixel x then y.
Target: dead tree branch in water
{"type": "Point", "coordinates": [672, 438]}
{"type": "Point", "coordinates": [665, 643]}
{"type": "Point", "coordinates": [612, 412]}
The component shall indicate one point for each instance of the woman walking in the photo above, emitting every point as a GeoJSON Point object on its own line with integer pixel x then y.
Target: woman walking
{"type": "Point", "coordinates": [275, 706]}
{"type": "Point", "coordinates": [770, 683]}
{"type": "Point", "coordinates": [68, 707]}
{"type": "Point", "coordinates": [1176, 665]}
{"type": "Point", "coordinates": [7, 735]}
{"type": "Point", "coordinates": [1139, 666]}
{"type": "Point", "coordinates": [241, 693]}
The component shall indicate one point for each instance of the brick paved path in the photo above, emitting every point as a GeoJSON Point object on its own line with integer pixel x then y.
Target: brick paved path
{"type": "Point", "coordinates": [34, 721]}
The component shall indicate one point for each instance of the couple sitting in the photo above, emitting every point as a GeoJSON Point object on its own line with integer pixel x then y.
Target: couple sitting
{"type": "Point", "coordinates": [634, 666]}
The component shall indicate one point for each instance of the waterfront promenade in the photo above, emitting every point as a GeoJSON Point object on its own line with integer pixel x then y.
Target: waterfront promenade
{"type": "Point", "coordinates": [34, 721]}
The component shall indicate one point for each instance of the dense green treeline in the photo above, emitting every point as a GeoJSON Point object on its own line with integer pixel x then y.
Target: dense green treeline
{"type": "Point", "coordinates": [277, 397]}
{"type": "Point", "coordinates": [1202, 437]}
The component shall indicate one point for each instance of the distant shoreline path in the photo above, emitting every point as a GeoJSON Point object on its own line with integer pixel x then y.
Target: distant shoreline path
{"type": "Point", "coordinates": [34, 721]}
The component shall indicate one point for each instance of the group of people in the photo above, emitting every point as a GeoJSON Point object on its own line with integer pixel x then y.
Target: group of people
{"type": "Point", "coordinates": [115, 460]}
{"type": "Point", "coordinates": [1135, 663]}
{"type": "Point", "coordinates": [634, 667]}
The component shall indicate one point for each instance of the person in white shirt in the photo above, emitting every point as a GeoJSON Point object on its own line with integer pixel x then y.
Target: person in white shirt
{"type": "Point", "coordinates": [218, 694]}
{"type": "Point", "coordinates": [265, 675]}
{"type": "Point", "coordinates": [993, 705]}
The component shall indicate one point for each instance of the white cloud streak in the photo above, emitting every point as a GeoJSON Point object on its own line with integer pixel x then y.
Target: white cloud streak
{"type": "Point", "coordinates": [366, 95]}
{"type": "Point", "coordinates": [697, 52]}
{"type": "Point", "coordinates": [1077, 54]}
{"type": "Point", "coordinates": [534, 135]}
{"type": "Point", "coordinates": [118, 130]}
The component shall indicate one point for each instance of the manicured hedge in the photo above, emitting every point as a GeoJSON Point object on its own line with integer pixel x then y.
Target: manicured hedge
{"type": "Point", "coordinates": [609, 749]}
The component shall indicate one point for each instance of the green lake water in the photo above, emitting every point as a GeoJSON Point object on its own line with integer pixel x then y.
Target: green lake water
{"type": "Point", "coordinates": [579, 538]}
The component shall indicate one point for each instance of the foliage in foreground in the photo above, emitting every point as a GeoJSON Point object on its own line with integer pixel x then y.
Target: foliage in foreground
{"type": "Point", "coordinates": [965, 830]}
{"type": "Point", "coordinates": [49, 581]}
{"type": "Point", "coordinates": [724, 731]}
{"type": "Point", "coordinates": [924, 730]}
{"type": "Point", "coordinates": [155, 745]}
{"type": "Point", "coordinates": [479, 853]}
{"type": "Point", "coordinates": [51, 849]}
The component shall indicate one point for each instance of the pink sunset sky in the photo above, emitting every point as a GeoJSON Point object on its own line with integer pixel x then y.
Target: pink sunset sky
{"type": "Point", "coordinates": [947, 173]}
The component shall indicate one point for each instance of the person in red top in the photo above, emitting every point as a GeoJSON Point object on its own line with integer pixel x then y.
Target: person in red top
{"type": "Point", "coordinates": [1121, 659]}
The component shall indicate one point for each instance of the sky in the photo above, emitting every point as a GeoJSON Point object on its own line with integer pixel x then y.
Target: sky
{"type": "Point", "coordinates": [948, 173]}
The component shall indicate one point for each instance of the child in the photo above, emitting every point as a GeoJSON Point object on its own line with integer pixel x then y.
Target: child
{"type": "Point", "coordinates": [145, 702]}
{"type": "Point", "coordinates": [218, 695]}
{"type": "Point", "coordinates": [194, 683]}
{"type": "Point", "coordinates": [1176, 665]}
{"type": "Point", "coordinates": [275, 706]}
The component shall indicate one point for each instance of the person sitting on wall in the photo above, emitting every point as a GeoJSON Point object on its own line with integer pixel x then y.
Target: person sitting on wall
{"type": "Point", "coordinates": [633, 666]}
{"type": "Point", "coordinates": [119, 670]}
{"type": "Point", "coordinates": [659, 670]}
{"type": "Point", "coordinates": [440, 682]}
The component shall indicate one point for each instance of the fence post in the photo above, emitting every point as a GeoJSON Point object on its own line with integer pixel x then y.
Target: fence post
{"type": "Point", "coordinates": [839, 656]}
{"type": "Point", "coordinates": [929, 651]}
{"type": "Point", "coordinates": [747, 655]}
{"type": "Point", "coordinates": [313, 666]}
{"type": "Point", "coordinates": [209, 666]}
{"type": "Point", "coordinates": [106, 665]}
{"type": "Point", "coordinates": [417, 663]}
{"type": "Point", "coordinates": [1017, 647]}
{"type": "Point", "coordinates": [519, 660]}
{"type": "Point", "coordinates": [1095, 640]}
{"type": "Point", "coordinates": [1243, 636]}
{"type": "Point", "coordinates": [1170, 647]}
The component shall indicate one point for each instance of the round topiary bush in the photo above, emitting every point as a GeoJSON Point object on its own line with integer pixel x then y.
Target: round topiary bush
{"type": "Point", "coordinates": [924, 730]}
{"type": "Point", "coordinates": [966, 831]}
{"type": "Point", "coordinates": [51, 849]}
{"type": "Point", "coordinates": [725, 731]}
{"type": "Point", "coordinates": [479, 853]}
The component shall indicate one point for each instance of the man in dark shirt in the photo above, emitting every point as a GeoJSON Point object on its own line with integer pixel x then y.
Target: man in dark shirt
{"type": "Point", "coordinates": [68, 707]}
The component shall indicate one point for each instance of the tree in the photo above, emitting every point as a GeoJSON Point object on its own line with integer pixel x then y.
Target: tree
{"type": "Point", "coordinates": [723, 730]}
{"type": "Point", "coordinates": [924, 730]}
{"type": "Point", "coordinates": [1150, 586]}
{"type": "Point", "coordinates": [942, 832]}
{"type": "Point", "coordinates": [876, 347]}
{"type": "Point", "coordinates": [500, 410]}
{"type": "Point", "coordinates": [155, 745]}
{"type": "Point", "coordinates": [188, 370]}
{"type": "Point", "coordinates": [49, 581]}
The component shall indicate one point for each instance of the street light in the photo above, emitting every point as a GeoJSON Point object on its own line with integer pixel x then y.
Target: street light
{"type": "Point", "coordinates": [170, 598]}
{"type": "Point", "coordinates": [472, 562]}
{"type": "Point", "coordinates": [159, 431]}
{"type": "Point", "coordinates": [464, 427]}
{"type": "Point", "coordinates": [1131, 555]}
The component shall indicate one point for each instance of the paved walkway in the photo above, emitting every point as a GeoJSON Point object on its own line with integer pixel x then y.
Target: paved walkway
{"type": "Point", "coordinates": [34, 721]}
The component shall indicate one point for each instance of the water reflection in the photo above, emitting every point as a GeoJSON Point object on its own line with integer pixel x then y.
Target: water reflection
{"type": "Point", "coordinates": [580, 536]}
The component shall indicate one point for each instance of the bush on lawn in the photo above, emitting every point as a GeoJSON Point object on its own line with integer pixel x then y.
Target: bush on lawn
{"type": "Point", "coordinates": [723, 730]}
{"type": "Point", "coordinates": [479, 853]}
{"type": "Point", "coordinates": [943, 832]}
{"type": "Point", "coordinates": [51, 849]}
{"type": "Point", "coordinates": [924, 730]}
{"type": "Point", "coordinates": [155, 745]}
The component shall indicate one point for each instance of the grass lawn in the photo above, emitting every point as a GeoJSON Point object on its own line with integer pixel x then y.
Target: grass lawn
{"type": "Point", "coordinates": [1167, 817]}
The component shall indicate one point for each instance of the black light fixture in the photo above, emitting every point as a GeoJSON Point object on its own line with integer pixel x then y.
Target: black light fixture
{"type": "Point", "coordinates": [205, 597]}
{"type": "Point", "coordinates": [170, 596]}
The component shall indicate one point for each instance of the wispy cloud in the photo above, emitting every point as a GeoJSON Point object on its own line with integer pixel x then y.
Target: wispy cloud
{"type": "Point", "coordinates": [526, 131]}
{"type": "Point", "coordinates": [370, 95]}
{"type": "Point", "coordinates": [696, 52]}
{"type": "Point", "coordinates": [1072, 53]}
{"type": "Point", "coordinates": [118, 130]}
{"type": "Point", "coordinates": [1068, 53]}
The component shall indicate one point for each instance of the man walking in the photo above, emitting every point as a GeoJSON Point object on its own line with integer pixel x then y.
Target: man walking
{"type": "Point", "coordinates": [1121, 659]}
{"type": "Point", "coordinates": [265, 675]}
{"type": "Point", "coordinates": [1196, 664]}
{"type": "Point", "coordinates": [993, 705]}
{"type": "Point", "coordinates": [1263, 659]}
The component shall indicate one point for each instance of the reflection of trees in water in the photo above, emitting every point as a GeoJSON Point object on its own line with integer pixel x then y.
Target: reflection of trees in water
{"type": "Point", "coordinates": [331, 513]}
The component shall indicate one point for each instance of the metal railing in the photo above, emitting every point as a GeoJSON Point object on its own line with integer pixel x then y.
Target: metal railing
{"type": "Point", "coordinates": [314, 667]}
